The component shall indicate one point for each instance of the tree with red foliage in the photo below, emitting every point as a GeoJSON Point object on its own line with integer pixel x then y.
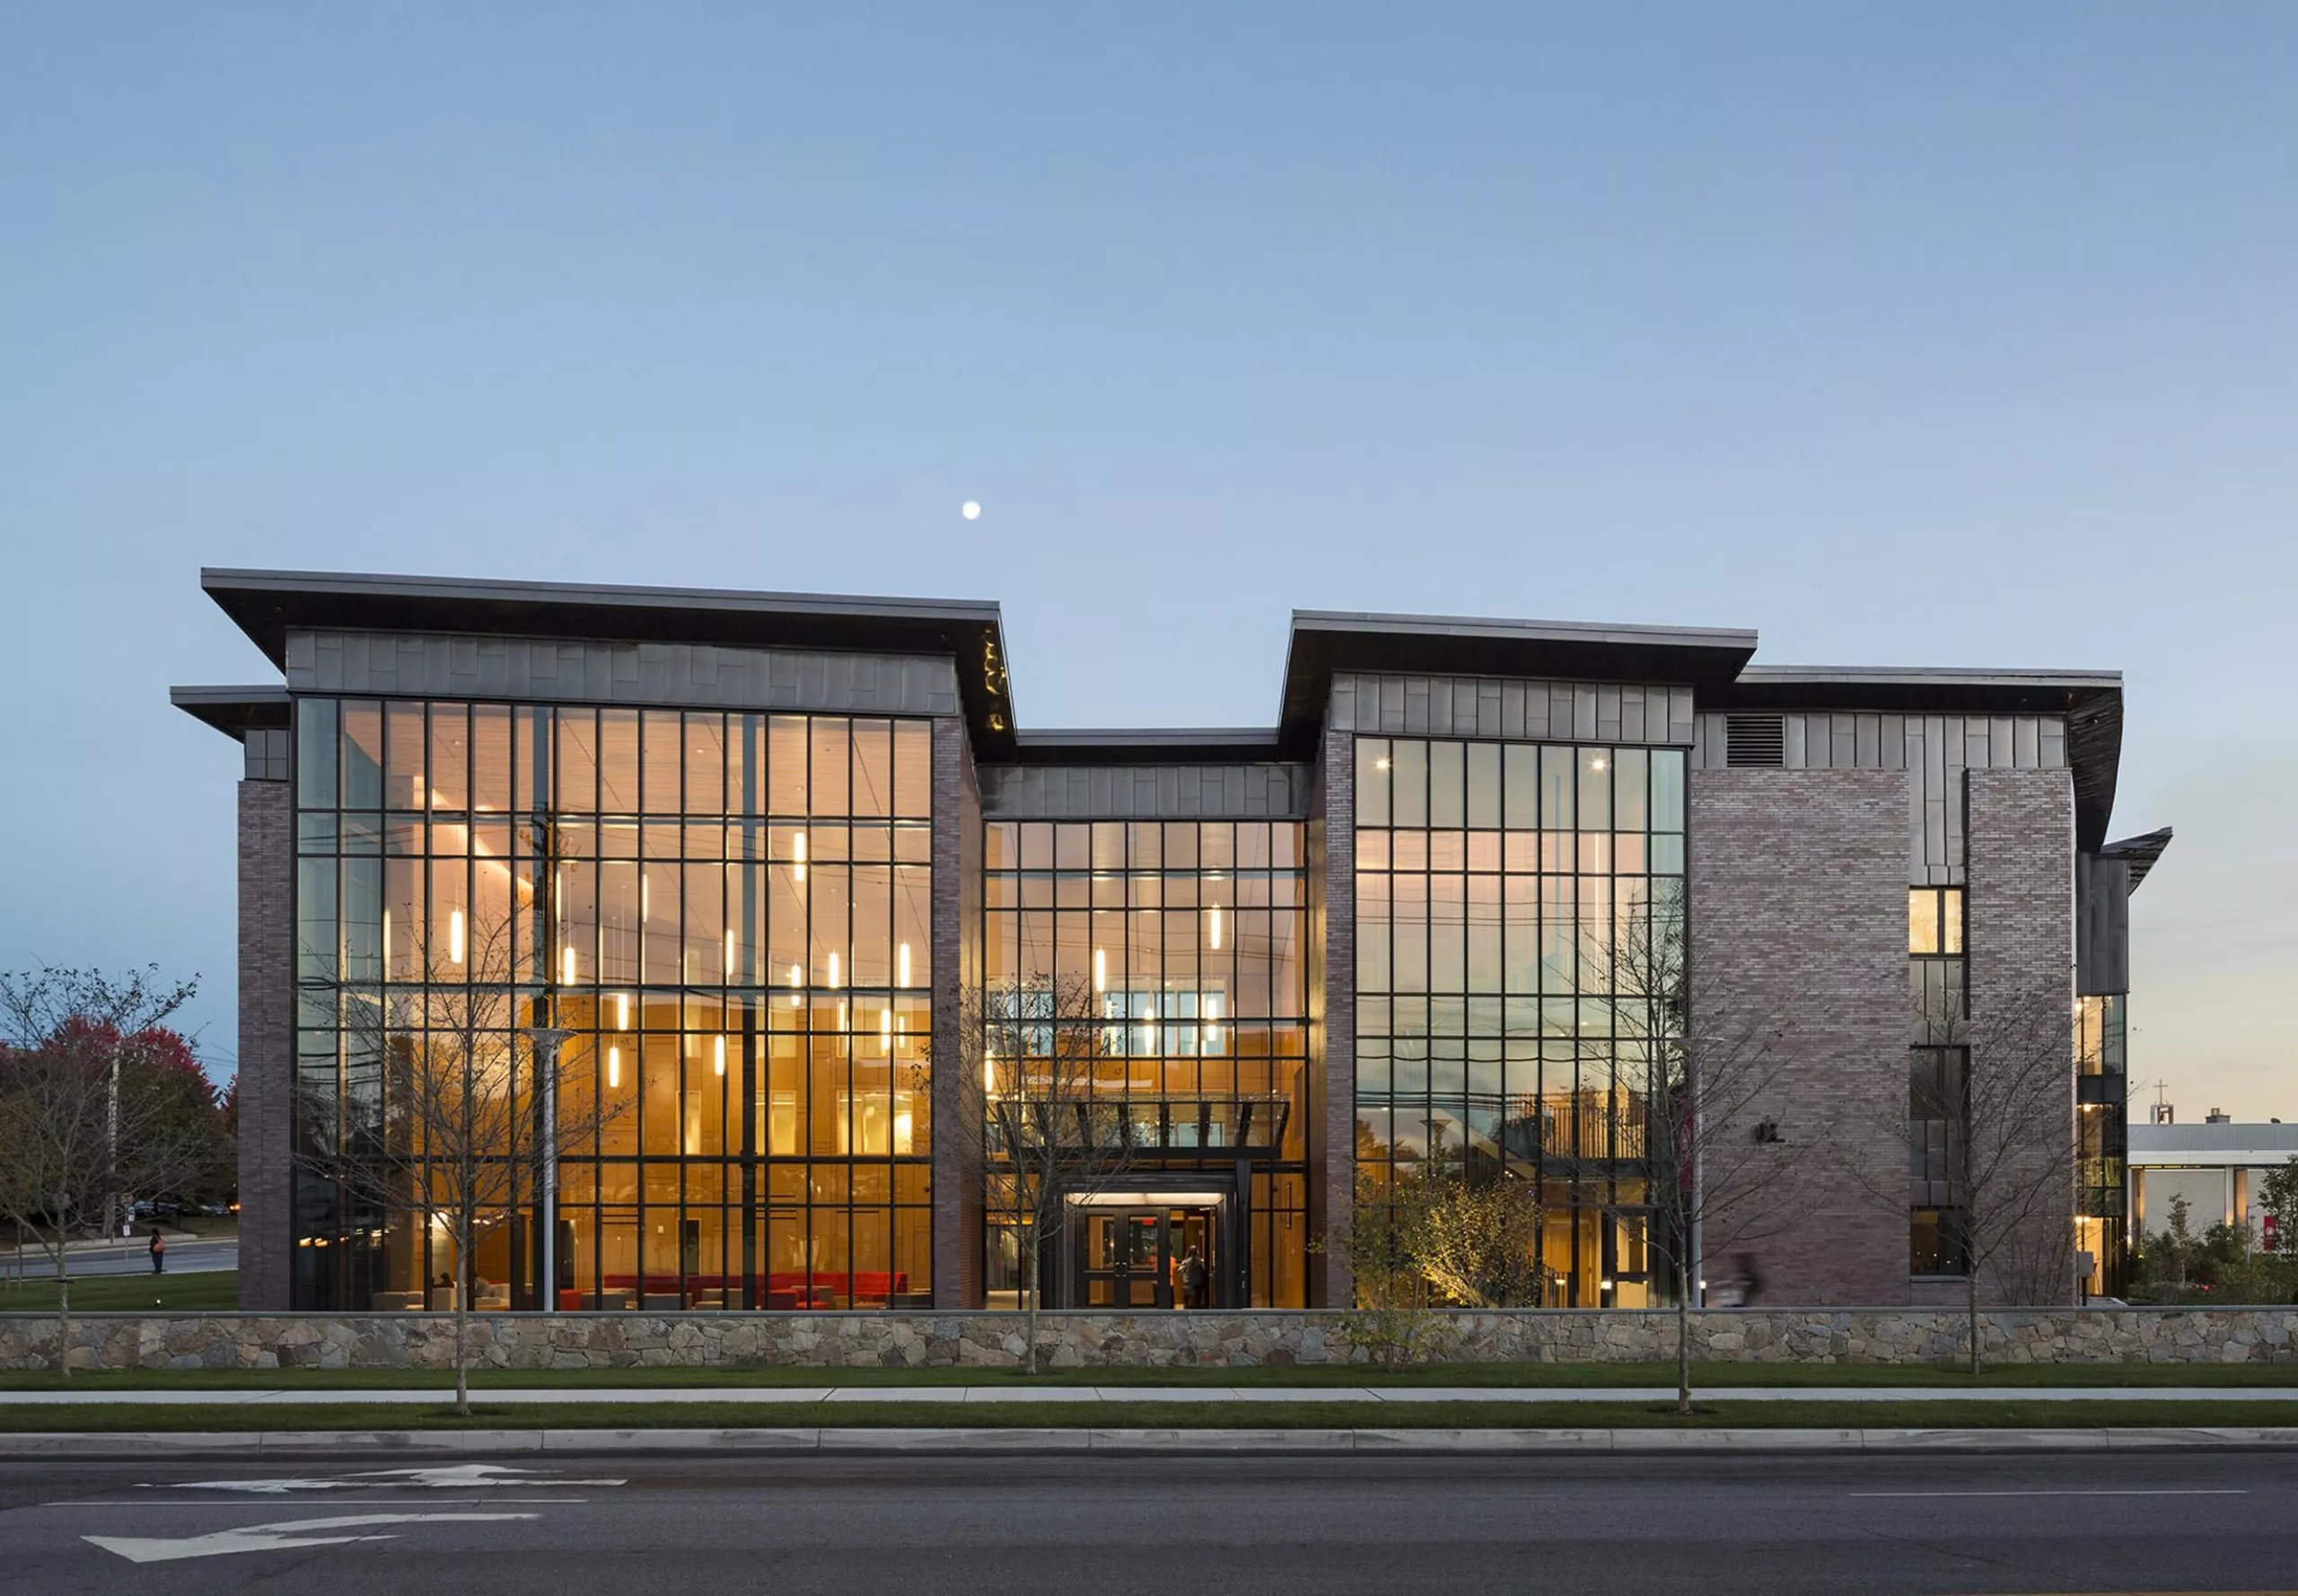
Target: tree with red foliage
{"type": "Point", "coordinates": [99, 1100]}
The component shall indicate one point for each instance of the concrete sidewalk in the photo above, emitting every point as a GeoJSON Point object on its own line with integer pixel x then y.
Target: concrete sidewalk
{"type": "Point", "coordinates": [966, 1394]}
{"type": "Point", "coordinates": [146, 1447]}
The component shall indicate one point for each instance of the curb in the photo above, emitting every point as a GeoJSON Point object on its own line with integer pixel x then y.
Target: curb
{"type": "Point", "coordinates": [143, 1446]}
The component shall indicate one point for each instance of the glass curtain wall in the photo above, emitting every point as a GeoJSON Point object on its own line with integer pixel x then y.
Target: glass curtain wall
{"type": "Point", "coordinates": [1501, 890]}
{"type": "Point", "coordinates": [730, 913]}
{"type": "Point", "coordinates": [1179, 943]}
{"type": "Point", "coordinates": [2102, 1097]}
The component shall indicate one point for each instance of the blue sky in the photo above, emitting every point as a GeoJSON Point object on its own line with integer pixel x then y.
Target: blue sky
{"type": "Point", "coordinates": [1952, 334]}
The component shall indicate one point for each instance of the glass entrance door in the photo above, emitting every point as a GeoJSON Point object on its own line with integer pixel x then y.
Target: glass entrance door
{"type": "Point", "coordinates": [1193, 1254]}
{"type": "Point", "coordinates": [1153, 1257]}
{"type": "Point", "coordinates": [1128, 1259]}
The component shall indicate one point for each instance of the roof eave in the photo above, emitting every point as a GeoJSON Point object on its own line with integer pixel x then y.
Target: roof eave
{"type": "Point", "coordinates": [233, 710]}
{"type": "Point", "coordinates": [266, 605]}
{"type": "Point", "coordinates": [1325, 642]}
{"type": "Point", "coordinates": [1184, 745]}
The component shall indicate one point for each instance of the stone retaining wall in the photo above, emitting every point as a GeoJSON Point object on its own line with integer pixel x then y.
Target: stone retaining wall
{"type": "Point", "coordinates": [1085, 1340]}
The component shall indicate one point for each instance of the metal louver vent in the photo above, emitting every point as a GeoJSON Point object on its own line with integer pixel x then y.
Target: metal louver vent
{"type": "Point", "coordinates": [1756, 740]}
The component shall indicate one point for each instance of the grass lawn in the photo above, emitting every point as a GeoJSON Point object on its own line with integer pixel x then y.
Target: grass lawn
{"type": "Point", "coordinates": [1165, 1416]}
{"type": "Point", "coordinates": [217, 1292]}
{"type": "Point", "coordinates": [1507, 1376]}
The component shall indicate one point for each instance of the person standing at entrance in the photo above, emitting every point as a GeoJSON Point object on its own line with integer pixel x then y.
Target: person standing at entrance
{"type": "Point", "coordinates": [158, 1251]}
{"type": "Point", "coordinates": [1193, 1279]}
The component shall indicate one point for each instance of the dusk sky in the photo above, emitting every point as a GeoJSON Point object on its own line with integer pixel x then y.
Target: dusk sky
{"type": "Point", "coordinates": [1942, 335]}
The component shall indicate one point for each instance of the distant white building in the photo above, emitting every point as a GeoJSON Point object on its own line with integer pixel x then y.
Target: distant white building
{"type": "Point", "coordinates": [2219, 1167]}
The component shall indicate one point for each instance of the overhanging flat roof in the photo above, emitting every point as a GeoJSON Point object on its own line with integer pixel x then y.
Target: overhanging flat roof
{"type": "Point", "coordinates": [2140, 853]}
{"type": "Point", "coordinates": [2226, 1145]}
{"type": "Point", "coordinates": [1325, 642]}
{"type": "Point", "coordinates": [1187, 745]}
{"type": "Point", "coordinates": [1912, 692]}
{"type": "Point", "coordinates": [232, 710]}
{"type": "Point", "coordinates": [267, 604]}
{"type": "Point", "coordinates": [1715, 662]}
{"type": "Point", "coordinates": [2090, 700]}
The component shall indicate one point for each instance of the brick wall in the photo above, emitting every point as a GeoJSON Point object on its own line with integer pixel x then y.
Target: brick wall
{"type": "Point", "coordinates": [1798, 887]}
{"type": "Point", "coordinates": [957, 953]}
{"type": "Point", "coordinates": [1332, 1016]}
{"type": "Point", "coordinates": [266, 864]}
{"type": "Point", "coordinates": [2020, 938]}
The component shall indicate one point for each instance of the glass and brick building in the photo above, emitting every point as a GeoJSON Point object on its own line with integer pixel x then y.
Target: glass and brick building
{"type": "Point", "coordinates": [779, 875]}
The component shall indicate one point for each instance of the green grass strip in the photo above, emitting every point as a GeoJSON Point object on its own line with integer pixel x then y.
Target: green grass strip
{"type": "Point", "coordinates": [1159, 1415]}
{"type": "Point", "coordinates": [1497, 1376]}
{"type": "Point", "coordinates": [213, 1291]}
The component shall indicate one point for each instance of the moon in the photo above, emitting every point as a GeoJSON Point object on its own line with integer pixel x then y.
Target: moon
{"type": "Point", "coordinates": [970, 510]}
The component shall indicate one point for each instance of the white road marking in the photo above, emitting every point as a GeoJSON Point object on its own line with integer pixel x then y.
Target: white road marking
{"type": "Point", "coordinates": [2098, 1493]}
{"type": "Point", "coordinates": [456, 1476]}
{"type": "Point", "coordinates": [176, 1503]}
{"type": "Point", "coordinates": [271, 1538]}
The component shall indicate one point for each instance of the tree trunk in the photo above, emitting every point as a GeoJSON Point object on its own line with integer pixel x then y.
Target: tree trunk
{"type": "Point", "coordinates": [63, 1307]}
{"type": "Point", "coordinates": [1030, 1289]}
{"type": "Point", "coordinates": [1683, 1346]}
{"type": "Point", "coordinates": [1970, 1302]}
{"type": "Point", "coordinates": [462, 1309]}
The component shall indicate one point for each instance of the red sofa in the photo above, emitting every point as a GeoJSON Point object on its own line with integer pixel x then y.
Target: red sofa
{"type": "Point", "coordinates": [785, 1289]}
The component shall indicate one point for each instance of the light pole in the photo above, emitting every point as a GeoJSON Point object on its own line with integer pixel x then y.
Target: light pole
{"type": "Point", "coordinates": [547, 1040]}
{"type": "Point", "coordinates": [115, 1203]}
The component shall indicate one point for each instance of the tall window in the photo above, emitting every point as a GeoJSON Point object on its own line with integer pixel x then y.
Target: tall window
{"type": "Point", "coordinates": [2100, 1096]}
{"type": "Point", "coordinates": [1938, 1081]}
{"type": "Point", "coordinates": [730, 912]}
{"type": "Point", "coordinates": [1183, 942]}
{"type": "Point", "coordinates": [1507, 894]}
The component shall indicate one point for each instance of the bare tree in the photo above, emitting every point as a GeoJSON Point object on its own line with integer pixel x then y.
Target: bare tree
{"type": "Point", "coordinates": [1992, 1109]}
{"type": "Point", "coordinates": [1039, 1132]}
{"type": "Point", "coordinates": [1724, 1172]}
{"type": "Point", "coordinates": [96, 1102]}
{"type": "Point", "coordinates": [450, 1129]}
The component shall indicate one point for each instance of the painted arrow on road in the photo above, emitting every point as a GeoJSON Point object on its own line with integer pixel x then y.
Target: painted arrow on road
{"type": "Point", "coordinates": [456, 1476]}
{"type": "Point", "coordinates": [272, 1538]}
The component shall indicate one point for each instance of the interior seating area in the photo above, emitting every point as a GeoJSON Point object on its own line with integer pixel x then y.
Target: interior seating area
{"type": "Point", "coordinates": [784, 1292]}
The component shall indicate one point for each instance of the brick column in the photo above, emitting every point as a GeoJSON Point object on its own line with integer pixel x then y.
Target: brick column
{"type": "Point", "coordinates": [2021, 940]}
{"type": "Point", "coordinates": [1798, 905]}
{"type": "Point", "coordinates": [957, 1135]}
{"type": "Point", "coordinates": [1332, 1016]}
{"type": "Point", "coordinates": [267, 863]}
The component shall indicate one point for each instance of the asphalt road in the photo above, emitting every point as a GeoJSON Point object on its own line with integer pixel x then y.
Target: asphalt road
{"type": "Point", "coordinates": [184, 1257]}
{"type": "Point", "coordinates": [924, 1526]}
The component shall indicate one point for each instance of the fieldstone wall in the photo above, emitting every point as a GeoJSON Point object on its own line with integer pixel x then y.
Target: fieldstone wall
{"type": "Point", "coordinates": [1088, 1340]}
